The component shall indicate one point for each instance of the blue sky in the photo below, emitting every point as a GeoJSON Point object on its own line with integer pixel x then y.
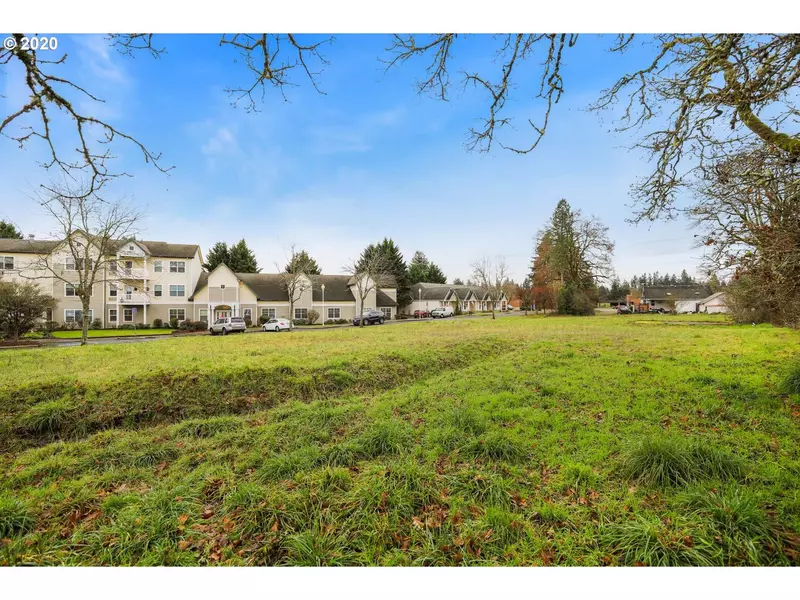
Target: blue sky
{"type": "Point", "coordinates": [370, 158]}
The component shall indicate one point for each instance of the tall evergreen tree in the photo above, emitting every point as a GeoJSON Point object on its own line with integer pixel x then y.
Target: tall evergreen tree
{"type": "Point", "coordinates": [219, 254]}
{"type": "Point", "coordinates": [436, 275]}
{"type": "Point", "coordinates": [307, 263]}
{"type": "Point", "coordinates": [242, 258]}
{"type": "Point", "coordinates": [422, 270]}
{"type": "Point", "coordinates": [396, 265]}
{"type": "Point", "coordinates": [458, 281]}
{"type": "Point", "coordinates": [8, 230]}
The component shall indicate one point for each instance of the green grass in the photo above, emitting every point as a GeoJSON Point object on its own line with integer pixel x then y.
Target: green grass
{"type": "Point", "coordinates": [523, 441]}
{"type": "Point", "coordinates": [101, 333]}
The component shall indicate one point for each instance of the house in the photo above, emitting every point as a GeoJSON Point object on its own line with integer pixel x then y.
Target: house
{"type": "Point", "coordinates": [715, 303]}
{"type": "Point", "coordinates": [148, 280]}
{"type": "Point", "coordinates": [143, 281]}
{"type": "Point", "coordinates": [667, 297]}
{"type": "Point", "coordinates": [470, 298]}
{"type": "Point", "coordinates": [223, 293]}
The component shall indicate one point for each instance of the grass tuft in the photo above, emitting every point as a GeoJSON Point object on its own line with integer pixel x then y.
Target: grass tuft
{"type": "Point", "coordinates": [578, 476]}
{"type": "Point", "coordinates": [385, 437]}
{"type": "Point", "coordinates": [791, 381]}
{"type": "Point", "coordinates": [498, 445]}
{"type": "Point", "coordinates": [665, 461]}
{"type": "Point", "coordinates": [45, 417]}
{"type": "Point", "coordinates": [15, 518]}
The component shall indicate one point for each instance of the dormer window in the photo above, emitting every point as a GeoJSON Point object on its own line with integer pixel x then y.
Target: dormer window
{"type": "Point", "coordinates": [222, 286]}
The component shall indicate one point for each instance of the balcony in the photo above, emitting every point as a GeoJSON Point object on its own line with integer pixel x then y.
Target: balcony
{"type": "Point", "coordinates": [135, 273]}
{"type": "Point", "coordinates": [134, 298]}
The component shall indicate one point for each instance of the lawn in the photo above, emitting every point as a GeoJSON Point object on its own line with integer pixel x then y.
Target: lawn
{"type": "Point", "coordinates": [610, 440]}
{"type": "Point", "coordinates": [95, 333]}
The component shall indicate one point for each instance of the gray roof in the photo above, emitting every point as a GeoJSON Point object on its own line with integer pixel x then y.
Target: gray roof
{"type": "Point", "coordinates": [336, 289]}
{"type": "Point", "coordinates": [675, 292]}
{"type": "Point", "coordinates": [266, 286]}
{"type": "Point", "coordinates": [159, 249]}
{"type": "Point", "coordinates": [430, 291]}
{"type": "Point", "coordinates": [384, 299]}
{"type": "Point", "coordinates": [202, 281]}
{"type": "Point", "coordinates": [27, 246]}
{"type": "Point", "coordinates": [462, 290]}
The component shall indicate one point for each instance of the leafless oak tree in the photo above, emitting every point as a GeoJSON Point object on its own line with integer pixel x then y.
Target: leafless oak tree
{"type": "Point", "coordinates": [91, 230]}
{"type": "Point", "coordinates": [368, 274]}
{"type": "Point", "coordinates": [491, 274]}
{"type": "Point", "coordinates": [298, 280]}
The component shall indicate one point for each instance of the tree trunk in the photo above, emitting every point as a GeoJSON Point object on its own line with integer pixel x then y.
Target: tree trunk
{"type": "Point", "coordinates": [85, 321]}
{"type": "Point", "coordinates": [291, 314]}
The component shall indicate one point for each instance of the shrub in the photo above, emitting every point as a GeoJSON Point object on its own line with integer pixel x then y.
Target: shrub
{"type": "Point", "coordinates": [342, 321]}
{"type": "Point", "coordinates": [667, 461]}
{"type": "Point", "coordinates": [313, 317]}
{"type": "Point", "coordinates": [158, 323]}
{"type": "Point", "coordinates": [573, 301]}
{"type": "Point", "coordinates": [300, 321]}
{"type": "Point", "coordinates": [193, 325]}
{"type": "Point", "coordinates": [248, 321]}
{"type": "Point", "coordinates": [263, 319]}
{"type": "Point", "coordinates": [330, 322]}
{"type": "Point", "coordinates": [173, 323]}
{"type": "Point", "coordinates": [144, 326]}
{"type": "Point", "coordinates": [96, 324]}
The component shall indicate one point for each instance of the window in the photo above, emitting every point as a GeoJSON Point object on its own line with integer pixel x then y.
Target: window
{"type": "Point", "coordinates": [112, 290]}
{"type": "Point", "coordinates": [127, 315]}
{"type": "Point", "coordinates": [268, 312]}
{"type": "Point", "coordinates": [177, 290]}
{"type": "Point", "coordinates": [248, 314]}
{"type": "Point", "coordinates": [6, 262]}
{"type": "Point", "coordinates": [300, 313]}
{"type": "Point", "coordinates": [76, 315]}
{"type": "Point", "coordinates": [128, 264]}
{"type": "Point", "coordinates": [157, 290]}
{"type": "Point", "coordinates": [69, 290]}
{"type": "Point", "coordinates": [204, 315]}
{"type": "Point", "coordinates": [112, 315]}
{"type": "Point", "coordinates": [177, 266]}
{"type": "Point", "coordinates": [69, 264]}
{"type": "Point", "coordinates": [177, 313]}
{"type": "Point", "coordinates": [113, 266]}
{"type": "Point", "coordinates": [130, 248]}
{"type": "Point", "coordinates": [334, 313]}
{"type": "Point", "coordinates": [387, 311]}
{"type": "Point", "coordinates": [222, 286]}
{"type": "Point", "coordinates": [80, 264]}
{"type": "Point", "coordinates": [157, 266]}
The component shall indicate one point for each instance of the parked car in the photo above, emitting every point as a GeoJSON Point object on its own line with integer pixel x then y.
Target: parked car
{"type": "Point", "coordinates": [277, 325]}
{"type": "Point", "coordinates": [420, 314]}
{"type": "Point", "coordinates": [660, 311]}
{"type": "Point", "coordinates": [228, 325]}
{"type": "Point", "coordinates": [623, 310]}
{"type": "Point", "coordinates": [371, 317]}
{"type": "Point", "coordinates": [440, 312]}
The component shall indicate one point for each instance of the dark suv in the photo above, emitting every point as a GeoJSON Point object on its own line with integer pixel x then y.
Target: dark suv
{"type": "Point", "coordinates": [371, 317]}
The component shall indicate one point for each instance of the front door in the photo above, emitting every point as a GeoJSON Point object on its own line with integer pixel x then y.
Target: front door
{"type": "Point", "coordinates": [222, 314]}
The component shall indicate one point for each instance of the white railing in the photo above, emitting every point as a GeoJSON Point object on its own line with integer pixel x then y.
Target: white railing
{"type": "Point", "coordinates": [133, 298]}
{"type": "Point", "coordinates": [134, 273]}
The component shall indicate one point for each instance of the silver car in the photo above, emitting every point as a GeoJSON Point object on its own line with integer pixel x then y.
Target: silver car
{"type": "Point", "coordinates": [228, 325]}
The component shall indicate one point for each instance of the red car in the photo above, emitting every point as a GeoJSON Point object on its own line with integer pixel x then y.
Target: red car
{"type": "Point", "coordinates": [420, 314]}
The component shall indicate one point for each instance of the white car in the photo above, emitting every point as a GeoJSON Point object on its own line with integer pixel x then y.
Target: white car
{"type": "Point", "coordinates": [226, 325]}
{"type": "Point", "coordinates": [277, 325]}
{"type": "Point", "coordinates": [441, 312]}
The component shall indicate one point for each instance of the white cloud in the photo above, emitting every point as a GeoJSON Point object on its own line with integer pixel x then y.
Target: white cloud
{"type": "Point", "coordinates": [222, 142]}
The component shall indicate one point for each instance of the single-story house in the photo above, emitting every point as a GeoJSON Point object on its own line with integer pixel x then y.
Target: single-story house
{"type": "Point", "coordinates": [223, 293]}
{"type": "Point", "coordinates": [715, 303]}
{"type": "Point", "coordinates": [471, 298]}
{"type": "Point", "coordinates": [668, 296]}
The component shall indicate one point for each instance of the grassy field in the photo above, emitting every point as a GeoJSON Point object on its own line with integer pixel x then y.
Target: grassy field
{"type": "Point", "coordinates": [95, 333]}
{"type": "Point", "coordinates": [523, 441]}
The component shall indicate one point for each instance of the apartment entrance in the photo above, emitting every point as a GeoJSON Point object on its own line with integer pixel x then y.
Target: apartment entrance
{"type": "Point", "coordinates": [222, 311]}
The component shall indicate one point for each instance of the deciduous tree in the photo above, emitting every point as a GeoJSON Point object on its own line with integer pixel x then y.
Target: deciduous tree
{"type": "Point", "coordinates": [491, 274]}
{"type": "Point", "coordinates": [21, 306]}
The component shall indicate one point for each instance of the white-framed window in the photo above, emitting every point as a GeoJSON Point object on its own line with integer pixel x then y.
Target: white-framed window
{"type": "Point", "coordinates": [113, 266]}
{"type": "Point", "coordinates": [177, 266]}
{"type": "Point", "coordinates": [69, 290]}
{"type": "Point", "coordinates": [112, 315]}
{"type": "Point", "coordinates": [130, 248]}
{"type": "Point", "coordinates": [128, 264]}
{"type": "Point", "coordinates": [300, 313]}
{"type": "Point", "coordinates": [157, 266]}
{"type": "Point", "coordinates": [222, 286]}
{"type": "Point", "coordinates": [248, 313]}
{"type": "Point", "coordinates": [127, 315]}
{"type": "Point", "coordinates": [270, 313]}
{"type": "Point", "coordinates": [387, 311]}
{"type": "Point", "coordinates": [112, 290]}
{"type": "Point", "coordinates": [334, 312]}
{"type": "Point", "coordinates": [204, 315]}
{"type": "Point", "coordinates": [7, 263]}
{"type": "Point", "coordinates": [177, 290]}
{"type": "Point", "coordinates": [75, 315]}
{"type": "Point", "coordinates": [157, 290]}
{"type": "Point", "coordinates": [177, 313]}
{"type": "Point", "coordinates": [69, 264]}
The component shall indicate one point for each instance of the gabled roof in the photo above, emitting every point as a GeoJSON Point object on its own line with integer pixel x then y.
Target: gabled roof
{"type": "Point", "coordinates": [27, 246]}
{"type": "Point", "coordinates": [202, 282]}
{"type": "Point", "coordinates": [336, 289]}
{"type": "Point", "coordinates": [383, 299]}
{"type": "Point", "coordinates": [430, 291]}
{"type": "Point", "coordinates": [713, 297]}
{"type": "Point", "coordinates": [158, 249]}
{"type": "Point", "coordinates": [675, 292]}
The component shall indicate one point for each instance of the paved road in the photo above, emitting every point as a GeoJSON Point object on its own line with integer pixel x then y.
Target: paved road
{"type": "Point", "coordinates": [149, 338]}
